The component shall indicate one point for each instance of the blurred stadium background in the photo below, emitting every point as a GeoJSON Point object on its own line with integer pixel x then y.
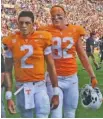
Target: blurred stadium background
{"type": "Point", "coordinates": [88, 13]}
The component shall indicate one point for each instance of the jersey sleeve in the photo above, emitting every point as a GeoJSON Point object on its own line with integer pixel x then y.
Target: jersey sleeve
{"type": "Point", "coordinates": [7, 46]}
{"type": "Point", "coordinates": [48, 35]}
{"type": "Point", "coordinates": [7, 41]}
{"type": "Point", "coordinates": [48, 39]}
{"type": "Point", "coordinates": [81, 31]}
{"type": "Point", "coordinates": [48, 43]}
{"type": "Point", "coordinates": [47, 50]}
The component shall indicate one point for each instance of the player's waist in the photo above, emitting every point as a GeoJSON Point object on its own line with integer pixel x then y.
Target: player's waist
{"type": "Point", "coordinates": [68, 77]}
{"type": "Point", "coordinates": [65, 63]}
{"type": "Point", "coordinates": [34, 80]}
{"type": "Point", "coordinates": [66, 71]}
{"type": "Point", "coordinates": [63, 76]}
{"type": "Point", "coordinates": [29, 77]}
{"type": "Point", "coordinates": [21, 85]}
{"type": "Point", "coordinates": [34, 83]}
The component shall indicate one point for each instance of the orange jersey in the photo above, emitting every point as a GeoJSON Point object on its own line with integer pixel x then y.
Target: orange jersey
{"type": "Point", "coordinates": [28, 54]}
{"type": "Point", "coordinates": [63, 48]}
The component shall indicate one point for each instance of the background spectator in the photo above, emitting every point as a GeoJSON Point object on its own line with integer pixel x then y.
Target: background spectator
{"type": "Point", "coordinates": [88, 13]}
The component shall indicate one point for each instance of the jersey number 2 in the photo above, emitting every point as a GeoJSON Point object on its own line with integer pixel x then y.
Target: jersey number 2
{"type": "Point", "coordinates": [26, 56]}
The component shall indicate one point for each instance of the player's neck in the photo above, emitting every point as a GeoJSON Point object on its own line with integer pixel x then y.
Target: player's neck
{"type": "Point", "coordinates": [27, 35]}
{"type": "Point", "coordinates": [62, 27]}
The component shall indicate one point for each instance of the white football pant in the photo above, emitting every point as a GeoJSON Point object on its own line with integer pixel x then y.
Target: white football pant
{"type": "Point", "coordinates": [40, 98]}
{"type": "Point", "coordinates": [68, 95]}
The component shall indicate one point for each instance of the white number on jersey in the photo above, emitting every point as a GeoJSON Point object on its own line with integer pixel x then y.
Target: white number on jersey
{"type": "Point", "coordinates": [28, 54]}
{"type": "Point", "coordinates": [62, 53]}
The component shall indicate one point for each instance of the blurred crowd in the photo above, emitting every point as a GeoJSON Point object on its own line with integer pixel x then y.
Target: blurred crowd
{"type": "Point", "coordinates": [88, 13]}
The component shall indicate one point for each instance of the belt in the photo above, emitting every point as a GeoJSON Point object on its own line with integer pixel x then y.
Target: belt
{"type": "Point", "coordinates": [22, 86]}
{"type": "Point", "coordinates": [21, 83]}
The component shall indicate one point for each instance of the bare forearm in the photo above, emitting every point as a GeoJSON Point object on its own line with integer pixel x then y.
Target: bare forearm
{"type": "Point", "coordinates": [2, 77]}
{"type": "Point", "coordinates": [53, 76]}
{"type": "Point", "coordinates": [8, 73]}
{"type": "Point", "coordinates": [51, 70]}
{"type": "Point", "coordinates": [84, 58]}
{"type": "Point", "coordinates": [8, 65]}
{"type": "Point", "coordinates": [86, 64]}
{"type": "Point", "coordinates": [8, 81]}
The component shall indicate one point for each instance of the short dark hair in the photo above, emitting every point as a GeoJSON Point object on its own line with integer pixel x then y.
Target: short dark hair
{"type": "Point", "coordinates": [26, 14]}
{"type": "Point", "coordinates": [59, 7]}
{"type": "Point", "coordinates": [92, 33]}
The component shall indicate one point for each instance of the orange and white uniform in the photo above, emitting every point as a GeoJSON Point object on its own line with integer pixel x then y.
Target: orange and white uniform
{"type": "Point", "coordinates": [28, 54]}
{"type": "Point", "coordinates": [63, 48]}
{"type": "Point", "coordinates": [64, 54]}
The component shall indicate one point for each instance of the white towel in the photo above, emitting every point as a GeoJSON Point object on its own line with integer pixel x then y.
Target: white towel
{"type": "Point", "coordinates": [29, 95]}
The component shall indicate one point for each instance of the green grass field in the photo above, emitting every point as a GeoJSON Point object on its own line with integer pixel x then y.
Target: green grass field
{"type": "Point", "coordinates": [83, 79]}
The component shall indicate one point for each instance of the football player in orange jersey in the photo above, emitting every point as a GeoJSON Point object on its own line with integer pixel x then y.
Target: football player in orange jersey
{"type": "Point", "coordinates": [66, 42]}
{"type": "Point", "coordinates": [26, 51]}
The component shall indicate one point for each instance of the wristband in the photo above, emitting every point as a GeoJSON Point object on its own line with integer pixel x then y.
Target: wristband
{"type": "Point", "coordinates": [55, 91]}
{"type": "Point", "coordinates": [8, 95]}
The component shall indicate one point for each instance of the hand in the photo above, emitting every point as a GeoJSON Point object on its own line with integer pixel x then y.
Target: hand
{"type": "Point", "coordinates": [94, 82]}
{"type": "Point", "coordinates": [54, 102]}
{"type": "Point", "coordinates": [11, 106]}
